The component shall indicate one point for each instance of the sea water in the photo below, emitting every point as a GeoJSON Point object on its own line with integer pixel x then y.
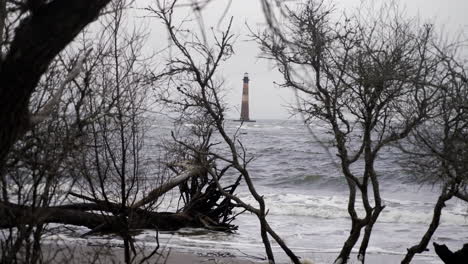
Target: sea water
{"type": "Point", "coordinates": [296, 170]}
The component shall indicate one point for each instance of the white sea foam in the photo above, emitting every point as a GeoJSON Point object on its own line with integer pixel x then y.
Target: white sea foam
{"type": "Point", "coordinates": [331, 207]}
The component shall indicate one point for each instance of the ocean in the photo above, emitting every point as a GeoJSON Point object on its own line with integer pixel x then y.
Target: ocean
{"type": "Point", "coordinates": [305, 192]}
{"type": "Point", "coordinates": [297, 173]}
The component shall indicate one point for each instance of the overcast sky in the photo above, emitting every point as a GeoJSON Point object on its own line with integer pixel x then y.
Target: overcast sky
{"type": "Point", "coordinates": [267, 101]}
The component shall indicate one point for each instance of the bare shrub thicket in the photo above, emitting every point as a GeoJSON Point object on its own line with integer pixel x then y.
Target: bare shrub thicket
{"type": "Point", "coordinates": [110, 172]}
{"type": "Point", "coordinates": [100, 179]}
{"type": "Point", "coordinates": [195, 93]}
{"type": "Point", "coordinates": [85, 133]}
{"type": "Point", "coordinates": [74, 148]}
{"type": "Point", "coordinates": [34, 175]}
{"type": "Point", "coordinates": [436, 151]}
{"type": "Point", "coordinates": [370, 78]}
{"type": "Point", "coordinates": [33, 33]}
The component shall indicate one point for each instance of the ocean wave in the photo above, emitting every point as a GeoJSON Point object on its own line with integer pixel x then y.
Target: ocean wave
{"type": "Point", "coordinates": [331, 207]}
{"type": "Point", "coordinates": [307, 180]}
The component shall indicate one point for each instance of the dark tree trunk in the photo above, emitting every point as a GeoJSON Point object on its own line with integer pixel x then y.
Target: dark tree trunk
{"type": "Point", "coordinates": [350, 242]}
{"type": "Point", "coordinates": [138, 219]}
{"type": "Point", "coordinates": [422, 245]}
{"type": "Point", "coordinates": [205, 211]}
{"type": "Point", "coordinates": [367, 232]}
{"type": "Point", "coordinates": [38, 39]}
{"type": "Point", "coordinates": [446, 255]}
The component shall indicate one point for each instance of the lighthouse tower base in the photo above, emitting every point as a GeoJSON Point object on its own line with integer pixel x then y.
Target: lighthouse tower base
{"type": "Point", "coordinates": [245, 121]}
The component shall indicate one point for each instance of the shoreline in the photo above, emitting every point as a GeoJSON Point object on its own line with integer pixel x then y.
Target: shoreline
{"type": "Point", "coordinates": [80, 253]}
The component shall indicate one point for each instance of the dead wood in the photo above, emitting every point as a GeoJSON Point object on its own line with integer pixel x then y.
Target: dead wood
{"type": "Point", "coordinates": [37, 41]}
{"type": "Point", "coordinates": [204, 211]}
{"type": "Point", "coordinates": [156, 193]}
{"type": "Point", "coordinates": [449, 257]}
{"type": "Point", "coordinates": [76, 215]}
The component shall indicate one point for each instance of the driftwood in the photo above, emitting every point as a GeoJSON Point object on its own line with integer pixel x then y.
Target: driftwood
{"type": "Point", "coordinates": [209, 209]}
{"type": "Point", "coordinates": [156, 193]}
{"type": "Point", "coordinates": [75, 214]}
{"type": "Point", "coordinates": [449, 257]}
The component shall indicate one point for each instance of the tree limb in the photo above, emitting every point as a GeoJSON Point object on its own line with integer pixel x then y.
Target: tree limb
{"type": "Point", "coordinates": [37, 40]}
{"type": "Point", "coordinates": [3, 15]}
{"type": "Point", "coordinates": [462, 196]}
{"type": "Point", "coordinates": [47, 109]}
{"type": "Point", "coordinates": [156, 193]}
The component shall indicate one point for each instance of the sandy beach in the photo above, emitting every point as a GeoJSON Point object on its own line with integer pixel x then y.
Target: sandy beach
{"type": "Point", "coordinates": [78, 254]}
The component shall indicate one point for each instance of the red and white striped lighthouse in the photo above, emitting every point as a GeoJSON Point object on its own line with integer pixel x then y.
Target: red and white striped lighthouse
{"type": "Point", "coordinates": [244, 116]}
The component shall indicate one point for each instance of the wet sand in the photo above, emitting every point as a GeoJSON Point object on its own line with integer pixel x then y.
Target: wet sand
{"type": "Point", "coordinates": [78, 254]}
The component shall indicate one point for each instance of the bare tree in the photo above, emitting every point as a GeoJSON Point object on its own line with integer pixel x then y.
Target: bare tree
{"type": "Point", "coordinates": [370, 78]}
{"type": "Point", "coordinates": [112, 163]}
{"type": "Point", "coordinates": [437, 151]}
{"type": "Point", "coordinates": [38, 32]}
{"type": "Point", "coordinates": [33, 176]}
{"type": "Point", "coordinates": [86, 130]}
{"type": "Point", "coordinates": [102, 111]}
{"type": "Point", "coordinates": [197, 94]}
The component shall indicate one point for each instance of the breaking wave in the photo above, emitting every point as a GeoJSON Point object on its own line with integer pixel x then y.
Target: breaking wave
{"type": "Point", "coordinates": [332, 207]}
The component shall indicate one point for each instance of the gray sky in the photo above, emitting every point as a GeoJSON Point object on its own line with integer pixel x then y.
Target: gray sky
{"type": "Point", "coordinates": [267, 101]}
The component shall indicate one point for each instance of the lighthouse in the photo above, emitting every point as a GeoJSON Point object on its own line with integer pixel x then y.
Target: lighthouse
{"type": "Point", "coordinates": [244, 116]}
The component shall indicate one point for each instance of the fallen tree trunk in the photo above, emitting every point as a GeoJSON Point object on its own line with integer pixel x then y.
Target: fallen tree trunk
{"type": "Point", "coordinates": [208, 210]}
{"type": "Point", "coordinates": [75, 214]}
{"type": "Point", "coordinates": [447, 194]}
{"type": "Point", "coordinates": [156, 193]}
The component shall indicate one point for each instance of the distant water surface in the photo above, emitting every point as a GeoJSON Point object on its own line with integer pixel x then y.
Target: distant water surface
{"type": "Point", "coordinates": [307, 197]}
